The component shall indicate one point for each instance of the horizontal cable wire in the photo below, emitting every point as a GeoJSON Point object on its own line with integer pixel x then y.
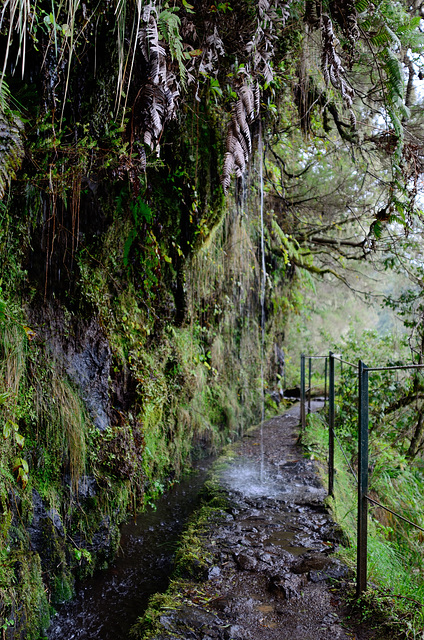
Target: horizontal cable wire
{"type": "Point", "coordinates": [404, 366]}
{"type": "Point", "coordinates": [345, 362]}
{"type": "Point", "coordinates": [394, 513]}
{"type": "Point", "coordinates": [372, 499]}
{"type": "Point", "coordinates": [394, 368]}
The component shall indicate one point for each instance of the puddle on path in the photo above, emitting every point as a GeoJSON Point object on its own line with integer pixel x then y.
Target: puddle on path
{"type": "Point", "coordinates": [284, 540]}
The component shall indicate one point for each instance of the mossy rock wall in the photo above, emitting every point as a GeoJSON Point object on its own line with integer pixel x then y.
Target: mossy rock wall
{"type": "Point", "coordinates": [130, 315]}
{"type": "Point", "coordinates": [110, 388]}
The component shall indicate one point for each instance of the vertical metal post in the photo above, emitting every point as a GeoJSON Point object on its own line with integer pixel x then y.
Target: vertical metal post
{"type": "Point", "coordinates": [302, 392]}
{"type": "Point", "coordinates": [310, 385]}
{"type": "Point", "coordinates": [361, 574]}
{"type": "Point", "coordinates": [325, 381]}
{"type": "Point", "coordinates": [331, 418]}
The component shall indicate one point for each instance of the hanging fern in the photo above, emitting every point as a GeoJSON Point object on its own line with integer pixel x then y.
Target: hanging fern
{"type": "Point", "coordinates": [160, 42]}
{"type": "Point", "coordinates": [332, 68]}
{"type": "Point", "coordinates": [11, 145]}
{"type": "Point", "coordinates": [239, 141]}
{"type": "Point", "coordinates": [260, 51]}
{"type": "Point", "coordinates": [170, 27]}
{"type": "Point", "coordinates": [395, 82]}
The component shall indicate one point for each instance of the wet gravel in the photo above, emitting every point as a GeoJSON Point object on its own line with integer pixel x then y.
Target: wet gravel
{"type": "Point", "coordinates": [273, 568]}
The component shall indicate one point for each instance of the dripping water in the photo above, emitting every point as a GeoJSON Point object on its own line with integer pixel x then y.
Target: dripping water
{"type": "Point", "coordinates": [262, 298]}
{"type": "Point", "coordinates": [243, 215]}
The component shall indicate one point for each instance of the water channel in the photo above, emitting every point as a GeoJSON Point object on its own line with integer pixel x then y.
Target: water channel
{"type": "Point", "coordinates": [108, 604]}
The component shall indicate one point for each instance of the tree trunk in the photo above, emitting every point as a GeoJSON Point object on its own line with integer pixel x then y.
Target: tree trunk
{"type": "Point", "coordinates": [417, 438]}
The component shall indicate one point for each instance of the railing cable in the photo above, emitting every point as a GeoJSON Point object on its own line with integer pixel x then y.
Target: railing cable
{"type": "Point", "coordinates": [361, 478]}
{"type": "Point", "coordinates": [417, 526]}
{"type": "Point", "coordinates": [396, 368]}
{"type": "Point", "coordinates": [350, 364]}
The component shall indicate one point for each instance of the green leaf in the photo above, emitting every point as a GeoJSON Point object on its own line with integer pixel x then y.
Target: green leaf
{"type": "Point", "coordinates": [7, 430]}
{"type": "Point", "coordinates": [11, 148]}
{"type": "Point", "coordinates": [189, 7]}
{"type": "Point", "coordinates": [20, 440]}
{"type": "Point", "coordinates": [361, 5]}
{"type": "Point", "coordinates": [376, 228]}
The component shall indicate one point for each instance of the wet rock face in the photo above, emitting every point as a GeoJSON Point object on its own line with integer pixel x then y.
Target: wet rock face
{"type": "Point", "coordinates": [87, 487]}
{"type": "Point", "coordinates": [82, 350]}
{"type": "Point", "coordinates": [288, 586]}
{"type": "Point", "coordinates": [41, 515]}
{"type": "Point", "coordinates": [189, 619]}
{"type": "Point", "coordinates": [89, 366]}
{"type": "Point", "coordinates": [48, 535]}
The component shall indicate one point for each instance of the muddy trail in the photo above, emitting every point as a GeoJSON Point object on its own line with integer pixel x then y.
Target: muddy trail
{"type": "Point", "coordinates": [273, 574]}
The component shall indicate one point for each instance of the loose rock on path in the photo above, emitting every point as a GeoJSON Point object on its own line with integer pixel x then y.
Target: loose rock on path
{"type": "Point", "coordinates": [273, 567]}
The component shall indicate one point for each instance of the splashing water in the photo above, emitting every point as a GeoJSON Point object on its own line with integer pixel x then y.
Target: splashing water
{"type": "Point", "coordinates": [242, 477]}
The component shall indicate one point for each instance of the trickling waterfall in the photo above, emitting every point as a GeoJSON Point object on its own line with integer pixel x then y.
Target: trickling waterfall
{"type": "Point", "coordinates": [263, 283]}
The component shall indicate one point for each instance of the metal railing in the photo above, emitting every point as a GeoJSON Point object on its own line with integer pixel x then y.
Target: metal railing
{"type": "Point", "coordinates": [362, 477]}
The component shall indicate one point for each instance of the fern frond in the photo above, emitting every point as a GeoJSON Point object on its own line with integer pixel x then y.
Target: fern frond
{"type": "Point", "coordinates": [289, 247]}
{"type": "Point", "coordinates": [170, 27]}
{"type": "Point", "coordinates": [240, 115]}
{"type": "Point", "coordinates": [248, 100]}
{"type": "Point", "coordinates": [257, 95]}
{"type": "Point", "coordinates": [381, 38]}
{"type": "Point", "coordinates": [393, 36]}
{"type": "Point", "coordinates": [361, 5]}
{"type": "Point", "coordinates": [227, 171]}
{"type": "Point", "coordinates": [395, 84]}
{"type": "Point", "coordinates": [11, 148]}
{"type": "Point", "coordinates": [244, 146]}
{"type": "Point", "coordinates": [236, 150]}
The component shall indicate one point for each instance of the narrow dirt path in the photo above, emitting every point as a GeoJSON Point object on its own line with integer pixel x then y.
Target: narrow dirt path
{"type": "Point", "coordinates": [273, 566]}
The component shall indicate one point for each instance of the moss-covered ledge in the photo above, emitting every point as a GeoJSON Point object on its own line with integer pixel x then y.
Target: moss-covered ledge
{"type": "Point", "coordinates": [193, 563]}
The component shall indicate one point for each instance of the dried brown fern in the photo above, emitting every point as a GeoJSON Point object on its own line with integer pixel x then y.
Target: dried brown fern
{"type": "Point", "coordinates": [157, 101]}
{"type": "Point", "coordinates": [239, 143]}
{"type": "Point", "coordinates": [271, 14]}
{"type": "Point", "coordinates": [332, 67]}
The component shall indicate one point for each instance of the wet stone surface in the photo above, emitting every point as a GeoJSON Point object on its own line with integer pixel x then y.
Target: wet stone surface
{"type": "Point", "coordinates": [272, 561]}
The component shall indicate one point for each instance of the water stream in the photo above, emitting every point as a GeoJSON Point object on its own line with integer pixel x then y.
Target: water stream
{"type": "Point", "coordinates": [108, 604]}
{"type": "Point", "coordinates": [262, 297]}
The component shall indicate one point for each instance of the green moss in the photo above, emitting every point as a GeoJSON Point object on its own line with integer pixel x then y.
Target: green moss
{"type": "Point", "coordinates": [148, 626]}
{"type": "Point", "coordinates": [62, 588]}
{"type": "Point", "coordinates": [191, 563]}
{"type": "Point", "coordinates": [170, 274]}
{"type": "Point", "coordinates": [23, 599]}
